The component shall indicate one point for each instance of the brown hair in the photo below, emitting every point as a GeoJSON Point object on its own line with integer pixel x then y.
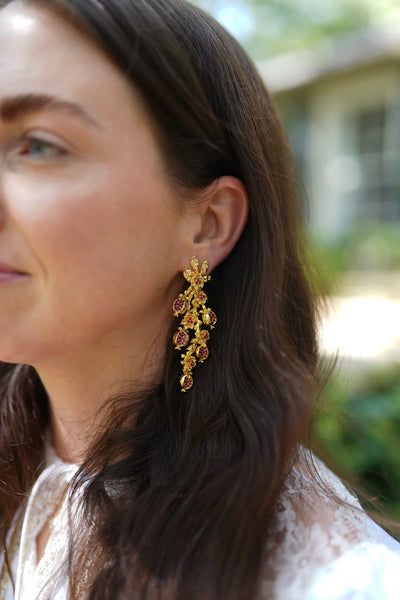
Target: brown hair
{"type": "Point", "coordinates": [182, 500]}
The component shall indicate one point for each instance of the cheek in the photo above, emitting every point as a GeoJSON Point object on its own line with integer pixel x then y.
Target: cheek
{"type": "Point", "coordinates": [80, 216]}
{"type": "Point", "coordinates": [99, 236]}
{"type": "Point", "coordinates": [87, 240]}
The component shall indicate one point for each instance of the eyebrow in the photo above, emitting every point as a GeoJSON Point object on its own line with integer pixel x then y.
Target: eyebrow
{"type": "Point", "coordinates": [14, 107]}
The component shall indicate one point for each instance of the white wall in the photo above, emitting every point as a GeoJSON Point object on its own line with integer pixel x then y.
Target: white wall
{"type": "Point", "coordinates": [334, 175]}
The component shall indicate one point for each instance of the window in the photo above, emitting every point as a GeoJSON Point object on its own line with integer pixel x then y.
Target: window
{"type": "Point", "coordinates": [378, 158]}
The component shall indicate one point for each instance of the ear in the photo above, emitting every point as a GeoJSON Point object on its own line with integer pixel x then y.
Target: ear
{"type": "Point", "coordinates": [220, 216]}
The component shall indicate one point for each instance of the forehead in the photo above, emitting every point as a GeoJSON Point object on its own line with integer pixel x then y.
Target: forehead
{"type": "Point", "coordinates": [43, 53]}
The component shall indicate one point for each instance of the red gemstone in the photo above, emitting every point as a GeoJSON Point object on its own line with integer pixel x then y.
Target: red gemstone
{"type": "Point", "coordinates": [213, 317]}
{"type": "Point", "coordinates": [189, 321]}
{"type": "Point", "coordinates": [198, 281]}
{"type": "Point", "coordinates": [186, 382]}
{"type": "Point", "coordinates": [191, 363]}
{"type": "Point", "coordinates": [204, 336]}
{"type": "Point", "coordinates": [181, 338]}
{"type": "Point", "coordinates": [179, 305]}
{"type": "Point", "coordinates": [202, 353]}
{"type": "Point", "coordinates": [209, 318]}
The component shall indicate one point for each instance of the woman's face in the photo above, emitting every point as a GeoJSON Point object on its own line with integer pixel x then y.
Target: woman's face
{"type": "Point", "coordinates": [90, 226]}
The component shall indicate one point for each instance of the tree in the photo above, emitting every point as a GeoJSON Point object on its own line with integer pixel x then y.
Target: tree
{"type": "Point", "coordinates": [269, 27]}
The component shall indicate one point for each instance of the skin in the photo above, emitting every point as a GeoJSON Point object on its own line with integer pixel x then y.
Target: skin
{"type": "Point", "coordinates": [93, 232]}
{"type": "Point", "coordinates": [87, 215]}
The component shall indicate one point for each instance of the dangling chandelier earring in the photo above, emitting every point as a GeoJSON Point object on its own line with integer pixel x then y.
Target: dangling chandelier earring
{"type": "Point", "coordinates": [192, 304]}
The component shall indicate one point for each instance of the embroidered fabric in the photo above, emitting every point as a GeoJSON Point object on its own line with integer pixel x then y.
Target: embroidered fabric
{"type": "Point", "coordinates": [322, 546]}
{"type": "Point", "coordinates": [47, 504]}
{"type": "Point", "coordinates": [319, 530]}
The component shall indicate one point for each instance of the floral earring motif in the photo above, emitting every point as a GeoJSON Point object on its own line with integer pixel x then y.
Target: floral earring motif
{"type": "Point", "coordinates": [192, 305]}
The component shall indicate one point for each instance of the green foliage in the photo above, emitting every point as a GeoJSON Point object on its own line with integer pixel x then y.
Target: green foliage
{"type": "Point", "coordinates": [288, 26]}
{"type": "Point", "coordinates": [322, 265]}
{"type": "Point", "coordinates": [269, 27]}
{"type": "Point", "coordinates": [370, 246]}
{"type": "Point", "coordinates": [361, 428]}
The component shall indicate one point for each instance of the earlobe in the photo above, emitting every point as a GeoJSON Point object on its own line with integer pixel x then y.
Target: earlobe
{"type": "Point", "coordinates": [224, 210]}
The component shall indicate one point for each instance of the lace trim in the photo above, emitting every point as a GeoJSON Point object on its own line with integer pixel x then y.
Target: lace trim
{"type": "Point", "coordinates": [47, 504]}
{"type": "Point", "coordinates": [315, 524]}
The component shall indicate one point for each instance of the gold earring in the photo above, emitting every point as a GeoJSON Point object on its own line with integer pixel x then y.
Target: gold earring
{"type": "Point", "coordinates": [192, 304]}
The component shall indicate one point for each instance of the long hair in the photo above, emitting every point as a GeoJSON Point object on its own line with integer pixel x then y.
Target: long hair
{"type": "Point", "coordinates": [181, 488]}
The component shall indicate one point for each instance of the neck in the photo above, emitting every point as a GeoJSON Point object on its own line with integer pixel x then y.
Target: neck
{"type": "Point", "coordinates": [79, 388]}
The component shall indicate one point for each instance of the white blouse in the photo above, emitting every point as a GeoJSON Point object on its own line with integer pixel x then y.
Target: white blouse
{"type": "Point", "coordinates": [319, 550]}
{"type": "Point", "coordinates": [47, 503]}
{"type": "Point", "coordinates": [322, 549]}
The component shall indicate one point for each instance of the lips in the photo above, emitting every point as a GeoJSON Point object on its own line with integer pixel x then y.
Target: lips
{"type": "Point", "coordinates": [8, 268]}
{"type": "Point", "coordinates": [10, 273]}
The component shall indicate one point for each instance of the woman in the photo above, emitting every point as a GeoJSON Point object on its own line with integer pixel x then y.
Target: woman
{"type": "Point", "coordinates": [137, 143]}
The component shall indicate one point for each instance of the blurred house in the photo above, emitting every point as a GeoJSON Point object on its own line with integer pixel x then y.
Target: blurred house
{"type": "Point", "coordinates": [341, 104]}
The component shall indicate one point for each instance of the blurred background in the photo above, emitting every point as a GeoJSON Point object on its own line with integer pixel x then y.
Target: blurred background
{"type": "Point", "coordinates": [334, 70]}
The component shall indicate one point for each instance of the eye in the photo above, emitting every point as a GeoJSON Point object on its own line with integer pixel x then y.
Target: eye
{"type": "Point", "coordinates": [35, 148]}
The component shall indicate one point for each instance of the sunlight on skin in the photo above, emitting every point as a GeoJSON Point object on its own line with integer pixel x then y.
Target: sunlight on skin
{"type": "Point", "coordinates": [23, 23]}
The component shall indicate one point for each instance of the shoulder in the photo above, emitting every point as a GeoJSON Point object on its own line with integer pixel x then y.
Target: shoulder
{"type": "Point", "coordinates": [368, 572]}
{"type": "Point", "coordinates": [318, 523]}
